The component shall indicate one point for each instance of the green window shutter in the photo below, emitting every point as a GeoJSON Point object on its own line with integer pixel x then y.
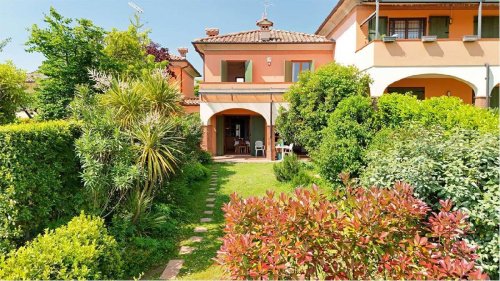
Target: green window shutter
{"type": "Point", "coordinates": [489, 28]}
{"type": "Point", "coordinates": [219, 141]}
{"type": "Point", "coordinates": [382, 27]}
{"type": "Point", "coordinates": [439, 26]}
{"type": "Point", "coordinates": [494, 99]}
{"type": "Point", "coordinates": [248, 71]}
{"type": "Point", "coordinates": [288, 71]}
{"type": "Point", "coordinates": [312, 66]}
{"type": "Point", "coordinates": [223, 71]}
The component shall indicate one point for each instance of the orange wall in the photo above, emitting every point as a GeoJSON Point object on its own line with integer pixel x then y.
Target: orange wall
{"type": "Point", "coordinates": [243, 98]}
{"type": "Point", "coordinates": [186, 81]}
{"type": "Point", "coordinates": [443, 52]}
{"type": "Point", "coordinates": [262, 72]}
{"type": "Point", "coordinates": [436, 87]}
{"type": "Point", "coordinates": [462, 19]}
{"type": "Point", "coordinates": [191, 108]}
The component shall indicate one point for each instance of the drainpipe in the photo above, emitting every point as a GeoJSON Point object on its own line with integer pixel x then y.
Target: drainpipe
{"type": "Point", "coordinates": [377, 35]}
{"type": "Point", "coordinates": [271, 135]}
{"type": "Point", "coordinates": [480, 18]}
{"type": "Point", "coordinates": [487, 84]}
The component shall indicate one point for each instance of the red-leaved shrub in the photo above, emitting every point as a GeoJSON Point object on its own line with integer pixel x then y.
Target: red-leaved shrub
{"type": "Point", "coordinates": [363, 234]}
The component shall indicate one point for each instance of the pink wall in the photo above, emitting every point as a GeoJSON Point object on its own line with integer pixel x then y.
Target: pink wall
{"type": "Point", "coordinates": [186, 81]}
{"type": "Point", "coordinates": [262, 72]}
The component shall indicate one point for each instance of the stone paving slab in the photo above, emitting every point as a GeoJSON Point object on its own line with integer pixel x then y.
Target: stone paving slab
{"type": "Point", "coordinates": [211, 188]}
{"type": "Point", "coordinates": [186, 250]}
{"type": "Point", "coordinates": [210, 199]}
{"type": "Point", "coordinates": [195, 239]}
{"type": "Point", "coordinates": [205, 220]}
{"type": "Point", "coordinates": [200, 229]}
{"type": "Point", "coordinates": [172, 269]}
{"type": "Point", "coordinates": [211, 194]}
{"type": "Point", "coordinates": [210, 205]}
{"type": "Point", "coordinates": [208, 212]}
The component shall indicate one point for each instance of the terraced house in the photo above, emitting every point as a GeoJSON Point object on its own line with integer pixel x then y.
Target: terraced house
{"type": "Point", "coordinates": [431, 48]}
{"type": "Point", "coordinates": [245, 75]}
{"type": "Point", "coordinates": [428, 48]}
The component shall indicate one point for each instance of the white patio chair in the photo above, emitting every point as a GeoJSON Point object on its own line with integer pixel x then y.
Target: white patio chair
{"type": "Point", "coordinates": [287, 150]}
{"type": "Point", "coordinates": [259, 146]}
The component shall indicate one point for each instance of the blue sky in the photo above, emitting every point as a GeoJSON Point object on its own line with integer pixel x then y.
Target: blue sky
{"type": "Point", "coordinates": [174, 23]}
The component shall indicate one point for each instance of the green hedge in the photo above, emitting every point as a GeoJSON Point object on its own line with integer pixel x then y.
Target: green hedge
{"type": "Point", "coordinates": [80, 250]}
{"type": "Point", "coordinates": [39, 179]}
{"type": "Point", "coordinates": [461, 165]}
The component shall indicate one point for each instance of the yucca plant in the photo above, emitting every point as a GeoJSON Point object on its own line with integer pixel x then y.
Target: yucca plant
{"type": "Point", "coordinates": [157, 147]}
{"type": "Point", "coordinates": [128, 103]}
{"type": "Point", "coordinates": [163, 95]}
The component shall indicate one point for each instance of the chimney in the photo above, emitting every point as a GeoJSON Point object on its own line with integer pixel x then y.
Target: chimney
{"type": "Point", "coordinates": [183, 51]}
{"type": "Point", "coordinates": [265, 29]}
{"type": "Point", "coordinates": [211, 32]}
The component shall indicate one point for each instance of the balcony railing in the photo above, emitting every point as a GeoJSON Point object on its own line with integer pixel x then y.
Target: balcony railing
{"type": "Point", "coordinates": [224, 92]}
{"type": "Point", "coordinates": [208, 88]}
{"type": "Point", "coordinates": [441, 52]}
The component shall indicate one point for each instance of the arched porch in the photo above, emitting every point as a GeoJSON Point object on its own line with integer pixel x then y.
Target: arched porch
{"type": "Point", "coordinates": [235, 131]}
{"type": "Point", "coordinates": [426, 86]}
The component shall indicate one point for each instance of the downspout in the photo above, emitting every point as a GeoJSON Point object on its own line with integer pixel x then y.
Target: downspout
{"type": "Point", "coordinates": [271, 135]}
{"type": "Point", "coordinates": [377, 35]}
{"type": "Point", "coordinates": [480, 19]}
{"type": "Point", "coordinates": [487, 84]}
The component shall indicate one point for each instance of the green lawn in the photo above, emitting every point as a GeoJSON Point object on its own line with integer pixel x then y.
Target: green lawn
{"type": "Point", "coordinates": [246, 179]}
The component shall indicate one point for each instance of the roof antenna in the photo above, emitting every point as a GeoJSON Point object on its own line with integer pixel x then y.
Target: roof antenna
{"type": "Point", "coordinates": [267, 4]}
{"type": "Point", "coordinates": [134, 6]}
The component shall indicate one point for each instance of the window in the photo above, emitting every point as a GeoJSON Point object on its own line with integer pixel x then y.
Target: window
{"type": "Point", "coordinates": [298, 67]}
{"type": "Point", "coordinates": [489, 27]}
{"type": "Point", "coordinates": [294, 68]}
{"type": "Point", "coordinates": [382, 27]}
{"type": "Point", "coordinates": [407, 28]}
{"type": "Point", "coordinates": [419, 92]}
{"type": "Point", "coordinates": [236, 71]}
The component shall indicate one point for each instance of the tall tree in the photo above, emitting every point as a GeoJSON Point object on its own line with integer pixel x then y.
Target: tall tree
{"type": "Point", "coordinates": [71, 48]}
{"type": "Point", "coordinates": [127, 49]}
{"type": "Point", "coordinates": [12, 91]}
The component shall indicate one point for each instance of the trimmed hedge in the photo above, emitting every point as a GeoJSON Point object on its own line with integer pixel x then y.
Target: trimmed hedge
{"type": "Point", "coordinates": [39, 179]}
{"type": "Point", "coordinates": [80, 250]}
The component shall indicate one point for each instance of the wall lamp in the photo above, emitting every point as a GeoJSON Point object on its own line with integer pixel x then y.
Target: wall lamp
{"type": "Point", "coordinates": [269, 60]}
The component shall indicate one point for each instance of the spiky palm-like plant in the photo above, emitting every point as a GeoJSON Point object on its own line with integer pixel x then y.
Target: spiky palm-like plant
{"type": "Point", "coordinates": [127, 101]}
{"type": "Point", "coordinates": [162, 94]}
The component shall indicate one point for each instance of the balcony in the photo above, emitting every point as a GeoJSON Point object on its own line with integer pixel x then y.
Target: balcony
{"type": "Point", "coordinates": [243, 92]}
{"type": "Point", "coordinates": [441, 52]}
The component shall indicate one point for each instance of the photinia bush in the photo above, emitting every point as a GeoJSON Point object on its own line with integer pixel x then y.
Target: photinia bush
{"type": "Point", "coordinates": [364, 234]}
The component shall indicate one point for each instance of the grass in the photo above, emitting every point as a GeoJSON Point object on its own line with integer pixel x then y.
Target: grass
{"type": "Point", "coordinates": [245, 179]}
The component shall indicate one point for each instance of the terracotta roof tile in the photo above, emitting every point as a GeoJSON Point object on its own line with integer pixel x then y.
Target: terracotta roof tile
{"type": "Point", "coordinates": [191, 101]}
{"type": "Point", "coordinates": [277, 36]}
{"type": "Point", "coordinates": [176, 57]}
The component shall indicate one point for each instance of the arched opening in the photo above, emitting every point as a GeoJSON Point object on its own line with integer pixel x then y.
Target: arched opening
{"type": "Point", "coordinates": [433, 85]}
{"type": "Point", "coordinates": [236, 131]}
{"type": "Point", "coordinates": [494, 101]}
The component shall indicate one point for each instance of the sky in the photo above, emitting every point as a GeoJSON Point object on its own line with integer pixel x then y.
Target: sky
{"type": "Point", "coordinates": [174, 23]}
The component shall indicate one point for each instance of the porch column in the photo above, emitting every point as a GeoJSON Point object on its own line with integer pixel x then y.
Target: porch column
{"type": "Point", "coordinates": [207, 142]}
{"type": "Point", "coordinates": [481, 102]}
{"type": "Point", "coordinates": [270, 144]}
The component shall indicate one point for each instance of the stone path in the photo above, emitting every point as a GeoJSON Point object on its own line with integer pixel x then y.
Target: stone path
{"type": "Point", "coordinates": [172, 269]}
{"type": "Point", "coordinates": [174, 266]}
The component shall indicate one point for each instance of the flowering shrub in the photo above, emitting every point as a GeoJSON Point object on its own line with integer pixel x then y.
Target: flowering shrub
{"type": "Point", "coordinates": [365, 234]}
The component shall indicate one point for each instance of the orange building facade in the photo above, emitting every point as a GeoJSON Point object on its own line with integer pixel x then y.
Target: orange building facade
{"type": "Point", "coordinates": [244, 78]}
{"type": "Point", "coordinates": [429, 48]}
